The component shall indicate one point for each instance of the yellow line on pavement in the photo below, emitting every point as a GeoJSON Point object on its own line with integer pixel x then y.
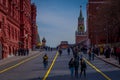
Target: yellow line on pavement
{"type": "Point", "coordinates": [4, 70]}
{"type": "Point", "coordinates": [46, 75]}
{"type": "Point", "coordinates": [97, 70]}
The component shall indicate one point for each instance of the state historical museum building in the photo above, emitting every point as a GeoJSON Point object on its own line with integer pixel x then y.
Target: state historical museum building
{"type": "Point", "coordinates": [17, 26]}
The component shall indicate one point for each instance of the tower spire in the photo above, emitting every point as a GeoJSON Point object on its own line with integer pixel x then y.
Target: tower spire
{"type": "Point", "coordinates": [80, 16]}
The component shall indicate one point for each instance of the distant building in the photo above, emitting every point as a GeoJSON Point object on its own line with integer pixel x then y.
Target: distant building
{"type": "Point", "coordinates": [64, 44]}
{"type": "Point", "coordinates": [34, 28]}
{"type": "Point", "coordinates": [43, 42]}
{"type": "Point", "coordinates": [80, 34]}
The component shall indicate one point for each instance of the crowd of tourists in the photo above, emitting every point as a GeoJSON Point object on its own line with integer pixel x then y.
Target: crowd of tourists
{"type": "Point", "coordinates": [22, 52]}
{"type": "Point", "coordinates": [77, 61]}
{"type": "Point", "coordinates": [107, 51]}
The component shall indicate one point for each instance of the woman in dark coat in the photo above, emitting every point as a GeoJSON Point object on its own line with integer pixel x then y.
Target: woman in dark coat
{"type": "Point", "coordinates": [71, 66]}
{"type": "Point", "coordinates": [83, 67]}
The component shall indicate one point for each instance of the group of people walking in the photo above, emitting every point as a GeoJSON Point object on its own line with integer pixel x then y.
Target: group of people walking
{"type": "Point", "coordinates": [60, 51]}
{"type": "Point", "coordinates": [76, 62]}
{"type": "Point", "coordinates": [74, 67]}
{"type": "Point", "coordinates": [107, 51]}
{"type": "Point", "coordinates": [23, 52]}
{"type": "Point", "coordinates": [91, 53]}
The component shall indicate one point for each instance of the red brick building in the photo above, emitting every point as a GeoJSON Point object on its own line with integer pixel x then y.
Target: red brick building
{"type": "Point", "coordinates": [99, 34]}
{"type": "Point", "coordinates": [64, 45]}
{"type": "Point", "coordinates": [34, 26]}
{"type": "Point", "coordinates": [80, 35]}
{"type": "Point", "coordinates": [25, 24]}
{"type": "Point", "coordinates": [15, 26]}
{"type": "Point", "coordinates": [92, 10]}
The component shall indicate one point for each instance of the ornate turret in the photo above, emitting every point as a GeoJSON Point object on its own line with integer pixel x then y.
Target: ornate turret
{"type": "Point", "coordinates": [43, 41]}
{"type": "Point", "coordinates": [80, 33]}
{"type": "Point", "coordinates": [81, 27]}
{"type": "Point", "coordinates": [80, 16]}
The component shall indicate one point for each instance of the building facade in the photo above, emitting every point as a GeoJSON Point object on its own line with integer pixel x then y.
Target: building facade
{"type": "Point", "coordinates": [98, 33]}
{"type": "Point", "coordinates": [34, 28]}
{"type": "Point", "coordinates": [95, 30]}
{"type": "Point", "coordinates": [80, 34]}
{"type": "Point", "coordinates": [25, 24]}
{"type": "Point", "coordinates": [64, 45]}
{"type": "Point", "coordinates": [15, 26]}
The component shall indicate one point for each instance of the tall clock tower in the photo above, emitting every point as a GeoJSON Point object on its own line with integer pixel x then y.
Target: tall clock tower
{"type": "Point", "coordinates": [81, 27]}
{"type": "Point", "coordinates": [80, 33]}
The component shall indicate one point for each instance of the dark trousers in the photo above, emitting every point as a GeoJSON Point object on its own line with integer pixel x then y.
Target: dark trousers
{"type": "Point", "coordinates": [93, 56]}
{"type": "Point", "coordinates": [119, 59]}
{"type": "Point", "coordinates": [76, 72]}
{"type": "Point", "coordinates": [89, 56]}
{"type": "Point", "coordinates": [45, 63]}
{"type": "Point", "coordinates": [83, 70]}
{"type": "Point", "coordinates": [68, 53]}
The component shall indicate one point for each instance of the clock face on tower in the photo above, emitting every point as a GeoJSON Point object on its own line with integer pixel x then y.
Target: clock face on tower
{"type": "Point", "coordinates": [81, 28]}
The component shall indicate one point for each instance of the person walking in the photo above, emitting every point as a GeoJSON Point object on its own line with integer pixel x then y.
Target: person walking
{"type": "Point", "coordinates": [71, 66]}
{"type": "Point", "coordinates": [45, 60]}
{"type": "Point", "coordinates": [107, 52]}
{"type": "Point", "coordinates": [115, 53]}
{"type": "Point", "coordinates": [97, 51]}
{"type": "Point", "coordinates": [19, 52]}
{"type": "Point", "coordinates": [93, 53]}
{"type": "Point", "coordinates": [27, 51]}
{"type": "Point", "coordinates": [60, 52]}
{"type": "Point", "coordinates": [81, 55]}
{"type": "Point", "coordinates": [83, 68]}
{"type": "Point", "coordinates": [89, 53]}
{"type": "Point", "coordinates": [118, 54]}
{"type": "Point", "coordinates": [76, 64]}
{"type": "Point", "coordinates": [68, 50]}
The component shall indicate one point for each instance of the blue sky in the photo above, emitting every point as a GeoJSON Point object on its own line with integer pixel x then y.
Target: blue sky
{"type": "Point", "coordinates": [57, 20]}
